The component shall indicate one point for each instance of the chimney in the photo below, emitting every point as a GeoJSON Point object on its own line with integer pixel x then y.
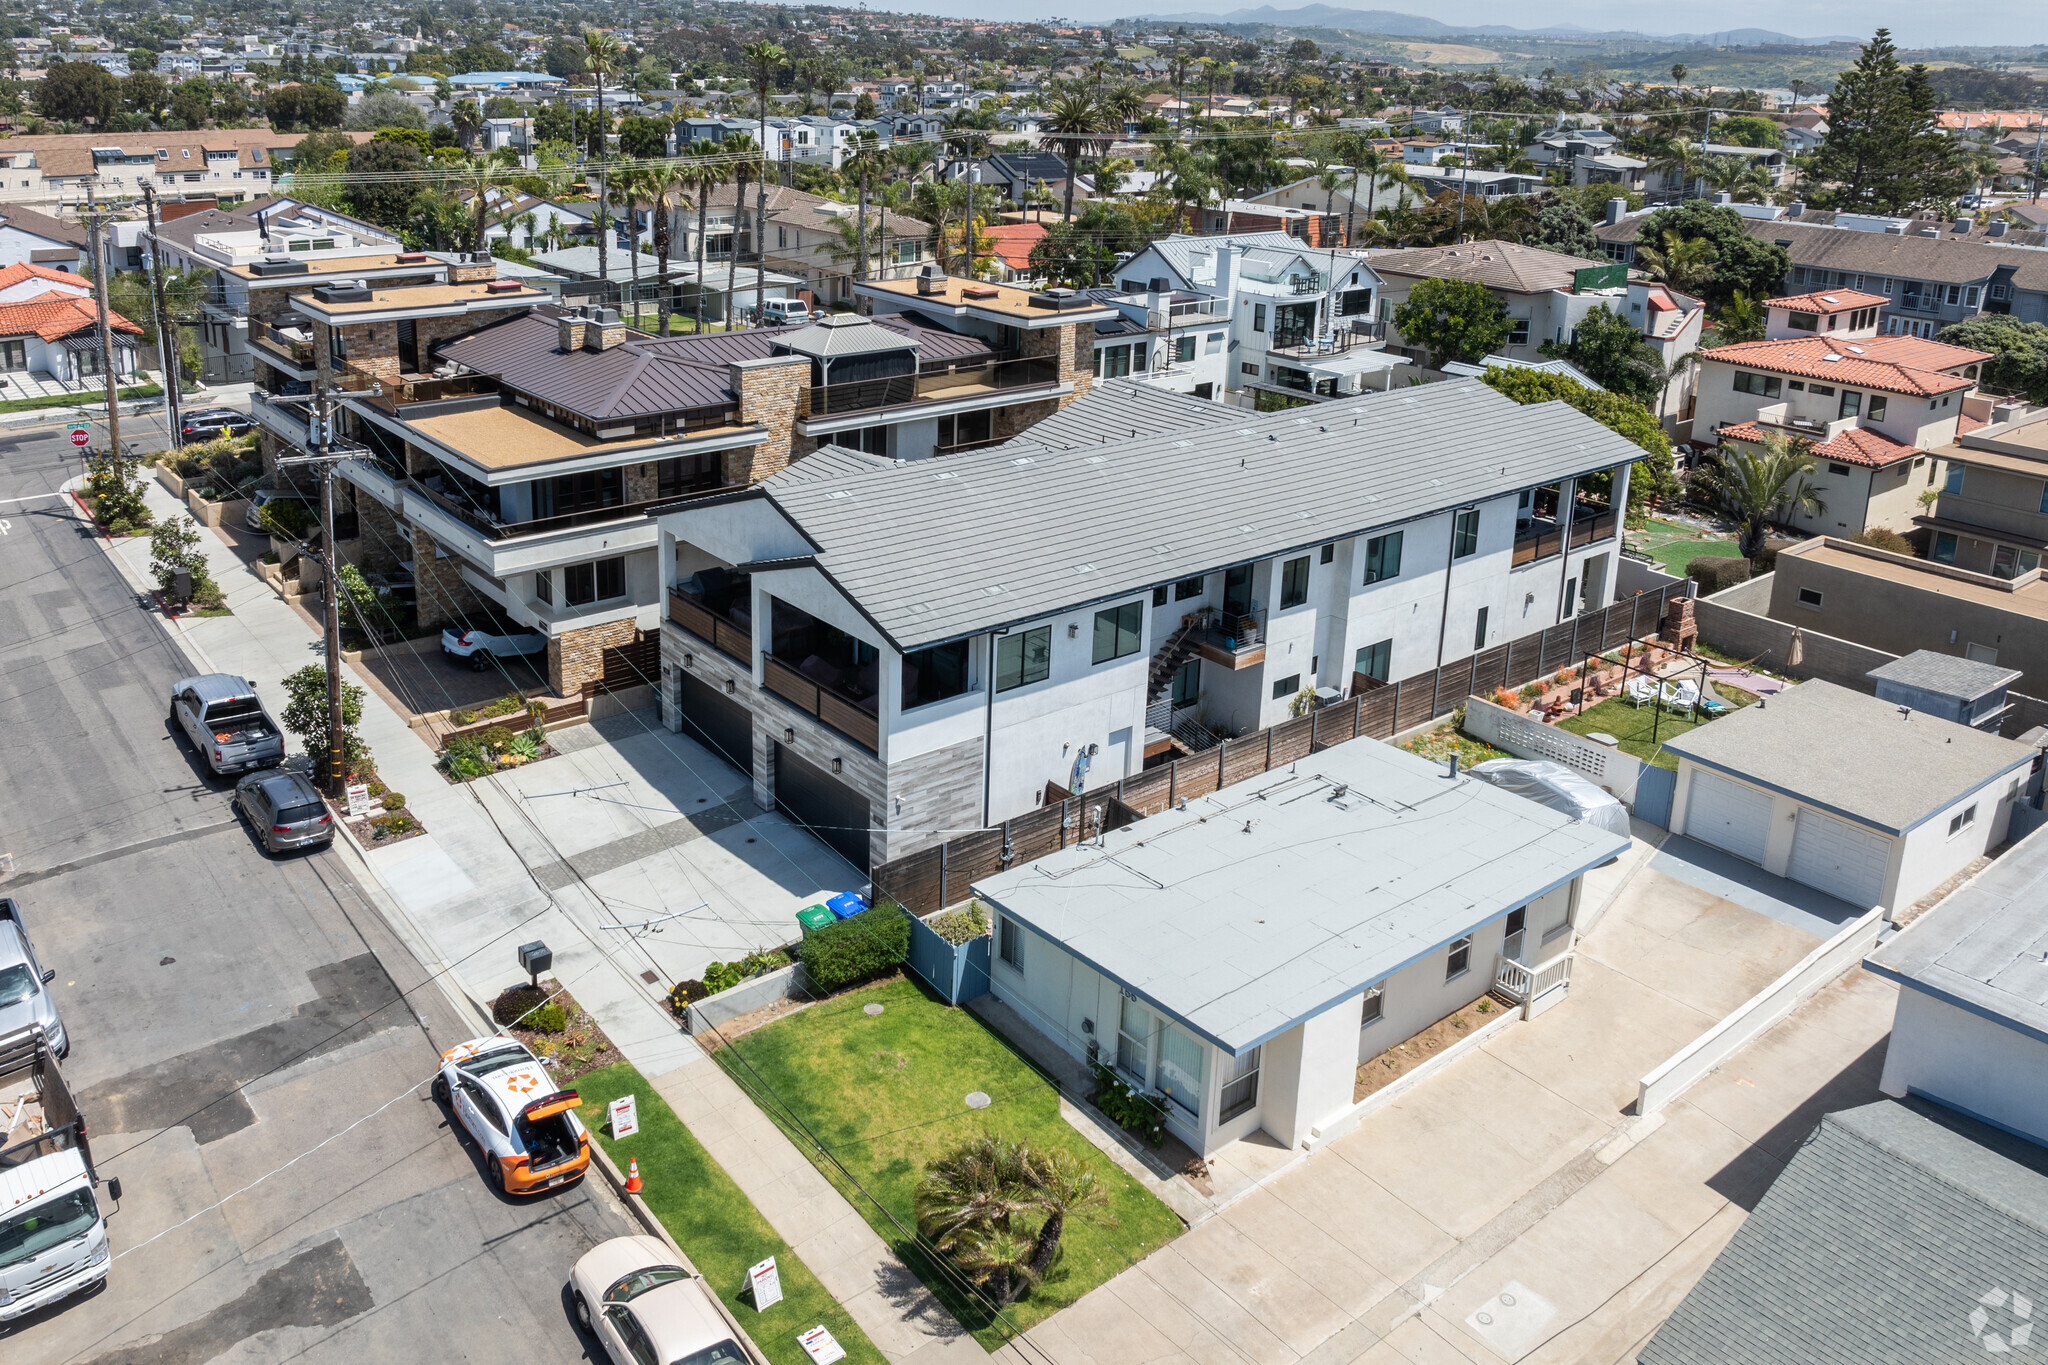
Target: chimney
{"type": "Point", "coordinates": [473, 268]}
{"type": "Point", "coordinates": [571, 328]}
{"type": "Point", "coordinates": [1226, 277]}
{"type": "Point", "coordinates": [1723, 197]}
{"type": "Point", "coordinates": [605, 330]}
{"type": "Point", "coordinates": [930, 281]}
{"type": "Point", "coordinates": [1615, 209]}
{"type": "Point", "coordinates": [1796, 209]}
{"type": "Point", "coordinates": [2006, 412]}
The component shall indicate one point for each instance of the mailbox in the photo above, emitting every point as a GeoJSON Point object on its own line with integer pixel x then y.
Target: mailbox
{"type": "Point", "coordinates": [535, 958]}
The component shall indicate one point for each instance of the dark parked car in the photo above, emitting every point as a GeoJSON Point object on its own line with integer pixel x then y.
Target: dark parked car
{"type": "Point", "coordinates": [284, 810]}
{"type": "Point", "coordinates": [206, 424]}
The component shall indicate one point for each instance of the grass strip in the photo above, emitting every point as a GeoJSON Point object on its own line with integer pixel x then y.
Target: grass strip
{"type": "Point", "coordinates": [715, 1223]}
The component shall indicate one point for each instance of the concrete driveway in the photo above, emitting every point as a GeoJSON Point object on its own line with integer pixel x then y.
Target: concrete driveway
{"type": "Point", "coordinates": [1509, 1209]}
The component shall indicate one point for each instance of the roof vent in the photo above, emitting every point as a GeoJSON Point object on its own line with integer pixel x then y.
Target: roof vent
{"type": "Point", "coordinates": [411, 258]}
{"type": "Point", "coordinates": [504, 287]}
{"type": "Point", "coordinates": [274, 267]}
{"type": "Point", "coordinates": [342, 291]}
{"type": "Point", "coordinates": [929, 281]}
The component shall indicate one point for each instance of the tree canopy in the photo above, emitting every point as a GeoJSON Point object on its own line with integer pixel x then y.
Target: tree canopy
{"type": "Point", "coordinates": [1562, 227]}
{"type": "Point", "coordinates": [1748, 130]}
{"type": "Point", "coordinates": [1885, 150]}
{"type": "Point", "coordinates": [1740, 261]}
{"type": "Point", "coordinates": [78, 92]}
{"type": "Point", "coordinates": [1614, 355]}
{"type": "Point", "coordinates": [1452, 320]}
{"type": "Point", "coordinates": [1654, 476]}
{"type": "Point", "coordinates": [2021, 348]}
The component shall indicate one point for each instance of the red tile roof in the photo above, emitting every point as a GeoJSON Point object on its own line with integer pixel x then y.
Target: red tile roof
{"type": "Point", "coordinates": [55, 315]}
{"type": "Point", "coordinates": [1827, 301]}
{"type": "Point", "coordinates": [1857, 445]}
{"type": "Point", "coordinates": [1908, 365]}
{"type": "Point", "coordinates": [1013, 242]}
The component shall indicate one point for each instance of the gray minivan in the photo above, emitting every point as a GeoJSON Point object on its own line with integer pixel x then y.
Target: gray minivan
{"type": "Point", "coordinates": [23, 997]}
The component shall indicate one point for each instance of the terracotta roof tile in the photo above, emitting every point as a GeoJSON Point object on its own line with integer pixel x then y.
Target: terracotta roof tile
{"type": "Point", "coordinates": [22, 271]}
{"type": "Point", "coordinates": [1907, 365]}
{"type": "Point", "coordinates": [1857, 445]}
{"type": "Point", "coordinates": [1828, 301]}
{"type": "Point", "coordinates": [54, 315]}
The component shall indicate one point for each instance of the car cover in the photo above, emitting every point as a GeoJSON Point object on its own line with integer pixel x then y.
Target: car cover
{"type": "Point", "coordinates": [1557, 787]}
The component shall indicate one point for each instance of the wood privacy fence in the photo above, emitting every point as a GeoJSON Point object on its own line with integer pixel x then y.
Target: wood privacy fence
{"type": "Point", "coordinates": [936, 877]}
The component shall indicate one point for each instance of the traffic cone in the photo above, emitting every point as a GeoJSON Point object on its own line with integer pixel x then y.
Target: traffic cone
{"type": "Point", "coordinates": [633, 1176]}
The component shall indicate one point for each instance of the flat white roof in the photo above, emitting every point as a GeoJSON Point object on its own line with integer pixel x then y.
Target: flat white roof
{"type": "Point", "coordinates": [1264, 904]}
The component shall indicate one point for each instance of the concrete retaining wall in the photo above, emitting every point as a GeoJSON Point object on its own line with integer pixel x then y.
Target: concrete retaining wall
{"type": "Point", "coordinates": [787, 983]}
{"type": "Point", "coordinates": [1632, 576]}
{"type": "Point", "coordinates": [1613, 770]}
{"type": "Point", "coordinates": [1758, 1013]}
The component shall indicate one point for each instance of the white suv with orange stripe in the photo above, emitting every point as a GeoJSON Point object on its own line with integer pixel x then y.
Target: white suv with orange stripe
{"type": "Point", "coordinates": [503, 1097]}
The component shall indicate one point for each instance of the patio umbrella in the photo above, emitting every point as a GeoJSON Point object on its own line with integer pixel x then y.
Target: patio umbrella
{"type": "Point", "coordinates": [1796, 651]}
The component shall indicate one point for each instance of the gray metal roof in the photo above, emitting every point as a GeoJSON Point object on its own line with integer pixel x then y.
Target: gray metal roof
{"type": "Point", "coordinates": [1852, 754]}
{"type": "Point", "coordinates": [1185, 253]}
{"type": "Point", "coordinates": [1982, 946]}
{"type": "Point", "coordinates": [936, 550]}
{"type": "Point", "coordinates": [1263, 904]}
{"type": "Point", "coordinates": [1119, 410]}
{"type": "Point", "coordinates": [1948, 675]}
{"type": "Point", "coordinates": [827, 462]}
{"type": "Point", "coordinates": [838, 334]}
{"type": "Point", "coordinates": [1875, 1246]}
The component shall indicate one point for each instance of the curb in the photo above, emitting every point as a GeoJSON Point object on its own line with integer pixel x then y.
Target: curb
{"type": "Point", "coordinates": [654, 1228]}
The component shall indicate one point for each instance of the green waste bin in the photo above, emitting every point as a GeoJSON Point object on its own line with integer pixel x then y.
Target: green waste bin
{"type": "Point", "coordinates": [814, 917]}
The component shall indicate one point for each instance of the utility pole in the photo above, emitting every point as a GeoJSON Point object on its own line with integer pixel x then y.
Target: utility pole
{"type": "Point", "coordinates": [167, 341]}
{"type": "Point", "coordinates": [323, 458]}
{"type": "Point", "coordinates": [97, 222]}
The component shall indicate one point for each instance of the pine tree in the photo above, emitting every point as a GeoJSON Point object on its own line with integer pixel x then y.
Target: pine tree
{"type": "Point", "coordinates": [1885, 151]}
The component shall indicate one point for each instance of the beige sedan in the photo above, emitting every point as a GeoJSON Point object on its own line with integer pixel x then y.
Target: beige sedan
{"type": "Point", "coordinates": [631, 1295]}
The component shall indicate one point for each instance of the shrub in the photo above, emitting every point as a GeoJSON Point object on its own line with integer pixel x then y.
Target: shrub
{"type": "Point", "coordinates": [465, 758]}
{"type": "Point", "coordinates": [505, 705]}
{"type": "Point", "coordinates": [497, 737]}
{"type": "Point", "coordinates": [388, 826]}
{"type": "Point", "coordinates": [286, 518]}
{"type": "Point", "coordinates": [1714, 573]}
{"type": "Point", "coordinates": [682, 993]}
{"type": "Point", "coordinates": [462, 717]}
{"type": "Point", "coordinates": [1127, 1108]}
{"type": "Point", "coordinates": [514, 1001]}
{"type": "Point", "coordinates": [1503, 696]}
{"type": "Point", "coordinates": [525, 744]}
{"type": "Point", "coordinates": [549, 1018]}
{"type": "Point", "coordinates": [1532, 691]}
{"type": "Point", "coordinates": [377, 788]}
{"type": "Point", "coordinates": [723, 976]}
{"type": "Point", "coordinates": [1886, 539]}
{"type": "Point", "coordinates": [394, 800]}
{"type": "Point", "coordinates": [859, 949]}
{"type": "Point", "coordinates": [959, 926]}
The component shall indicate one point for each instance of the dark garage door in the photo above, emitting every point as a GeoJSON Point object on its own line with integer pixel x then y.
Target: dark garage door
{"type": "Point", "coordinates": [716, 721]}
{"type": "Point", "coordinates": [833, 811]}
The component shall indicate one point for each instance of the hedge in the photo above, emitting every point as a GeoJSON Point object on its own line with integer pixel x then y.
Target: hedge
{"type": "Point", "coordinates": [851, 951]}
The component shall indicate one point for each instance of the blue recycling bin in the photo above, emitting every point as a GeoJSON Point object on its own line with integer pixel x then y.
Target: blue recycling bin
{"type": "Point", "coordinates": [847, 904]}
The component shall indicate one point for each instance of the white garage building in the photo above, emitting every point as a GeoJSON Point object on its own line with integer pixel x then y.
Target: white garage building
{"type": "Point", "coordinates": [1860, 798]}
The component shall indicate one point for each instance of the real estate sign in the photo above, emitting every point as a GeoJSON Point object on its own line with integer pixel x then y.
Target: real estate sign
{"type": "Point", "coordinates": [766, 1283]}
{"type": "Point", "coordinates": [820, 1346]}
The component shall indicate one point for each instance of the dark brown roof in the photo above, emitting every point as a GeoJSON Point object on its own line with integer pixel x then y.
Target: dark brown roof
{"type": "Point", "coordinates": [1941, 259]}
{"type": "Point", "coordinates": [645, 375]}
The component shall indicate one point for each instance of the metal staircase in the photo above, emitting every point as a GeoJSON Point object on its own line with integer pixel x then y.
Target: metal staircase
{"type": "Point", "coordinates": [1178, 649]}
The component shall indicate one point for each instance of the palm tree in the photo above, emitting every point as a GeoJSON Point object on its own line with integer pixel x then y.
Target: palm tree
{"type": "Point", "coordinates": [1177, 72]}
{"type": "Point", "coordinates": [671, 186]}
{"type": "Point", "coordinates": [1125, 105]}
{"type": "Point", "coordinates": [528, 221]}
{"type": "Point", "coordinates": [1678, 160]}
{"type": "Point", "coordinates": [479, 175]}
{"type": "Point", "coordinates": [996, 1259]}
{"type": "Point", "coordinates": [1684, 263]}
{"type": "Point", "coordinates": [979, 1185]}
{"type": "Point", "coordinates": [632, 185]}
{"type": "Point", "coordinates": [763, 60]}
{"type": "Point", "coordinates": [864, 158]}
{"type": "Point", "coordinates": [1753, 486]}
{"type": "Point", "coordinates": [467, 117]}
{"type": "Point", "coordinates": [706, 173]}
{"type": "Point", "coordinates": [1375, 165]}
{"type": "Point", "coordinates": [603, 54]}
{"type": "Point", "coordinates": [740, 148]}
{"type": "Point", "coordinates": [1074, 129]}
{"type": "Point", "coordinates": [1741, 320]}
{"type": "Point", "coordinates": [1060, 1187]}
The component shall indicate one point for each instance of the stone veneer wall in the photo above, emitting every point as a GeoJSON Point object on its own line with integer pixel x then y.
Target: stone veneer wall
{"type": "Point", "coordinates": [444, 598]}
{"type": "Point", "coordinates": [1073, 345]}
{"type": "Point", "coordinates": [384, 542]}
{"type": "Point", "coordinates": [576, 657]}
{"type": "Point", "coordinates": [373, 346]}
{"type": "Point", "coordinates": [774, 392]}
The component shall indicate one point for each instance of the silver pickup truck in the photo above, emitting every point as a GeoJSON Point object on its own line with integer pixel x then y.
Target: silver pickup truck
{"type": "Point", "coordinates": [221, 715]}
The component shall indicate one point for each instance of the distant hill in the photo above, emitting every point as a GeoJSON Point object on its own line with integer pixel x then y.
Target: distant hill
{"type": "Point", "coordinates": [1394, 24]}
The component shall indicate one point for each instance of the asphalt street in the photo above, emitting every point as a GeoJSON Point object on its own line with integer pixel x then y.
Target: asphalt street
{"type": "Point", "coordinates": [232, 1016]}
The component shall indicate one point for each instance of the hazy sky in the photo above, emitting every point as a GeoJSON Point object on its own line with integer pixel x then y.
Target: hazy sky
{"type": "Point", "coordinates": [1914, 23]}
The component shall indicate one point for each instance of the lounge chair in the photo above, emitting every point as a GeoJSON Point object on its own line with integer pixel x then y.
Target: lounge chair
{"type": "Point", "coordinates": [1682, 695]}
{"type": "Point", "coordinates": [1642, 691]}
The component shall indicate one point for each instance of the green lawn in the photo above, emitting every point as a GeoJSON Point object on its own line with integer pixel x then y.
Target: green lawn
{"type": "Point", "coordinates": [80, 400]}
{"type": "Point", "coordinates": [1635, 726]}
{"type": "Point", "coordinates": [887, 1094]}
{"type": "Point", "coordinates": [1675, 546]}
{"type": "Point", "coordinates": [715, 1224]}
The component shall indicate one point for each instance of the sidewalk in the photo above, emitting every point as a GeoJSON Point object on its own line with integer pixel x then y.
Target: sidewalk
{"type": "Point", "coordinates": [492, 872]}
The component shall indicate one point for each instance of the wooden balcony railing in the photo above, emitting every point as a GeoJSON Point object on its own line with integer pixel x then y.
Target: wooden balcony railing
{"type": "Point", "coordinates": [1539, 543]}
{"type": "Point", "coordinates": [838, 710]}
{"type": "Point", "coordinates": [1589, 525]}
{"type": "Point", "coordinates": [688, 611]}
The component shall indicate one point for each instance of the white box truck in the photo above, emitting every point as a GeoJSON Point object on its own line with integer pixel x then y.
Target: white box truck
{"type": "Point", "coordinates": [53, 1239]}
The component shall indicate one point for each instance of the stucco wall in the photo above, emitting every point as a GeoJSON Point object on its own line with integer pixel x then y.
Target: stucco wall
{"type": "Point", "coordinates": [1965, 1060]}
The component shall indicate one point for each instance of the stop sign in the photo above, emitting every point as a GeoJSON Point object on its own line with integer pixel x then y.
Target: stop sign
{"type": "Point", "coordinates": [80, 436]}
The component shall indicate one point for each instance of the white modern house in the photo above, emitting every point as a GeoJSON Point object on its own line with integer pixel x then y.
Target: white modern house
{"type": "Point", "coordinates": [894, 648]}
{"type": "Point", "coordinates": [1301, 318]}
{"type": "Point", "coordinates": [1864, 799]}
{"type": "Point", "coordinates": [1239, 956]}
{"type": "Point", "coordinates": [1176, 341]}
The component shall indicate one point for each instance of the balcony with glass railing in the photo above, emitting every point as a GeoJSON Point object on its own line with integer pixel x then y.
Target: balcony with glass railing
{"type": "Point", "coordinates": [934, 385]}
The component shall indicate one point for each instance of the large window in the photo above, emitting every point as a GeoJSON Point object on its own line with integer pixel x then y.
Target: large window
{"type": "Point", "coordinates": [1187, 683]}
{"type": "Point", "coordinates": [1240, 1086]}
{"type": "Point", "coordinates": [1952, 479]}
{"type": "Point", "coordinates": [689, 474]}
{"type": "Point", "coordinates": [1762, 385]}
{"type": "Point", "coordinates": [1134, 1040]}
{"type": "Point", "coordinates": [1192, 587]}
{"type": "Point", "coordinates": [1465, 533]}
{"type": "Point", "coordinates": [1375, 660]}
{"type": "Point", "coordinates": [1258, 317]}
{"type": "Point", "coordinates": [1287, 686]}
{"type": "Point", "coordinates": [1802, 322]}
{"type": "Point", "coordinates": [586, 492]}
{"type": "Point", "coordinates": [1383, 557]}
{"type": "Point", "coordinates": [1117, 631]}
{"type": "Point", "coordinates": [1852, 402]}
{"type": "Point", "coordinates": [1181, 1056]}
{"type": "Point", "coordinates": [583, 584]}
{"type": "Point", "coordinates": [1878, 403]}
{"type": "Point", "coordinates": [1023, 658]}
{"type": "Point", "coordinates": [1294, 582]}
{"type": "Point", "coordinates": [934, 674]}
{"type": "Point", "coordinates": [1944, 551]}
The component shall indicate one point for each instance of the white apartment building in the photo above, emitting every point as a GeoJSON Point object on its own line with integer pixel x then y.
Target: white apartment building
{"type": "Point", "coordinates": [1302, 318]}
{"type": "Point", "coordinates": [893, 650]}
